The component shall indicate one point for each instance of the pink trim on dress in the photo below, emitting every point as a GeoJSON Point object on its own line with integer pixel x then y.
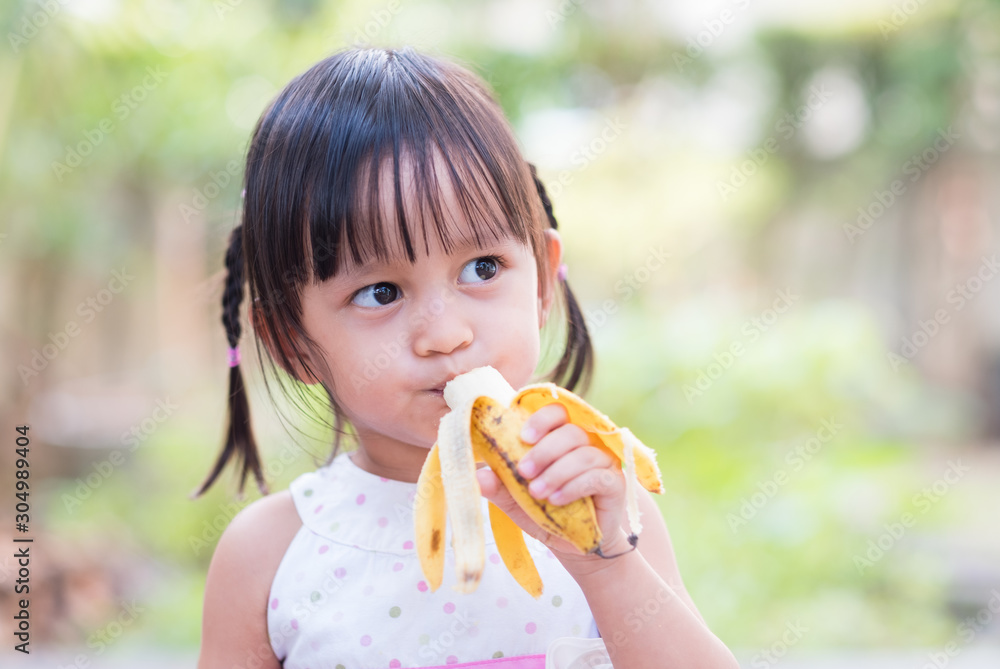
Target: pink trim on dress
{"type": "Point", "coordinates": [519, 662]}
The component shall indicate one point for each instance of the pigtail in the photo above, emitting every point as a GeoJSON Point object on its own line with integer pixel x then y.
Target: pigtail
{"type": "Point", "coordinates": [239, 442]}
{"type": "Point", "coordinates": [577, 362]}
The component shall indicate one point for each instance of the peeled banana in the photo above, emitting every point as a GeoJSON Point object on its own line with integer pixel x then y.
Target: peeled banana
{"type": "Point", "coordinates": [484, 425]}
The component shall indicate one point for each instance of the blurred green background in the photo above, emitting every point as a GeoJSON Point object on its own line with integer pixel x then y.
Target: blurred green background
{"type": "Point", "coordinates": [781, 219]}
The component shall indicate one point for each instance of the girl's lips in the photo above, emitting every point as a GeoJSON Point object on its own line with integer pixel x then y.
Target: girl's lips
{"type": "Point", "coordinates": [439, 389]}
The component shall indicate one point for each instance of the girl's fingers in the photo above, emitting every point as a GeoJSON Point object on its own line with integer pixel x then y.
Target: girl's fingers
{"type": "Point", "coordinates": [496, 492]}
{"type": "Point", "coordinates": [593, 482]}
{"type": "Point", "coordinates": [543, 421]}
{"type": "Point", "coordinates": [580, 472]}
{"type": "Point", "coordinates": [550, 448]}
{"type": "Point", "coordinates": [562, 467]}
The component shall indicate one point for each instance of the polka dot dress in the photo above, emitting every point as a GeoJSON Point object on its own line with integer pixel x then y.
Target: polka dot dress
{"type": "Point", "coordinates": [349, 592]}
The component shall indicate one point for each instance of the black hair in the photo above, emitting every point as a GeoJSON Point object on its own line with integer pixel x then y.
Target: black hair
{"type": "Point", "coordinates": [312, 196]}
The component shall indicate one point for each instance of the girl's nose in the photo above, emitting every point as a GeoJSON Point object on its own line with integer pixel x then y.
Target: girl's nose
{"type": "Point", "coordinates": [440, 327]}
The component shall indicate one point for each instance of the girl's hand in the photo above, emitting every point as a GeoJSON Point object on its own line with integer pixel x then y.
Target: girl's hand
{"type": "Point", "coordinates": [563, 467]}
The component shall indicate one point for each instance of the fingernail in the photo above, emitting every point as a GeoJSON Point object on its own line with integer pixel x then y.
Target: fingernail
{"type": "Point", "coordinates": [527, 468]}
{"type": "Point", "coordinates": [529, 434]}
{"type": "Point", "coordinates": [537, 487]}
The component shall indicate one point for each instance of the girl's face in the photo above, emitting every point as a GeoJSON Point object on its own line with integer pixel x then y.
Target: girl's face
{"type": "Point", "coordinates": [394, 332]}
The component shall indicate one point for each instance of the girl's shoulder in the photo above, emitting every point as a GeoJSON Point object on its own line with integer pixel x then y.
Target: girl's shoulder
{"type": "Point", "coordinates": [239, 579]}
{"type": "Point", "coordinates": [256, 540]}
{"type": "Point", "coordinates": [267, 526]}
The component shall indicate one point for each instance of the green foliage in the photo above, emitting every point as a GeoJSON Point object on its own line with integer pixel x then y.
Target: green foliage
{"type": "Point", "coordinates": [766, 509]}
{"type": "Point", "coordinates": [111, 124]}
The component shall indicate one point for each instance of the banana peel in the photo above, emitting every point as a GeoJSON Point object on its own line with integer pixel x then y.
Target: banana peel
{"type": "Point", "coordinates": [484, 425]}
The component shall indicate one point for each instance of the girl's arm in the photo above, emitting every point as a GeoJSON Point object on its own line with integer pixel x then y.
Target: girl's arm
{"type": "Point", "coordinates": [234, 624]}
{"type": "Point", "coordinates": [644, 614]}
{"type": "Point", "coordinates": [642, 609]}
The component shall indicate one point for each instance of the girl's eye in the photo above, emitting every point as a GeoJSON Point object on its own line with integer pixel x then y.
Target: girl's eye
{"type": "Point", "coordinates": [376, 295]}
{"type": "Point", "coordinates": [480, 269]}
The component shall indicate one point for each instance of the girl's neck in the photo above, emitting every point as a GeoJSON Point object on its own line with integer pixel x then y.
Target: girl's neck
{"type": "Point", "coordinates": [399, 462]}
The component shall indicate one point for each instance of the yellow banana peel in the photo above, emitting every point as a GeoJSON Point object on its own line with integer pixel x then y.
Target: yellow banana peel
{"type": "Point", "coordinates": [484, 425]}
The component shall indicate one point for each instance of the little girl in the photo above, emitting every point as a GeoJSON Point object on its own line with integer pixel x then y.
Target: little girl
{"type": "Point", "coordinates": [393, 237]}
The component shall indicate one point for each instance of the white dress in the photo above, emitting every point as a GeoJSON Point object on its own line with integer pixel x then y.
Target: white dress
{"type": "Point", "coordinates": [349, 592]}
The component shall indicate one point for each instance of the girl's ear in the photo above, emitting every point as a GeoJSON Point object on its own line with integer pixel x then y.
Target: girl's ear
{"type": "Point", "coordinates": [553, 246]}
{"type": "Point", "coordinates": [297, 371]}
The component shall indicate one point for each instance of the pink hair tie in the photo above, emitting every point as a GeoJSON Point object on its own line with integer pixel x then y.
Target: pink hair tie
{"type": "Point", "coordinates": [563, 271]}
{"type": "Point", "coordinates": [234, 356]}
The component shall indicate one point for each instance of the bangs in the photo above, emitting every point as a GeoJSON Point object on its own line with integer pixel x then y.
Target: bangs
{"type": "Point", "coordinates": [371, 154]}
{"type": "Point", "coordinates": [391, 213]}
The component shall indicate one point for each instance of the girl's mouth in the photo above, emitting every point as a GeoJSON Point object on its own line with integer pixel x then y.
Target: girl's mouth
{"type": "Point", "coordinates": [439, 389]}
